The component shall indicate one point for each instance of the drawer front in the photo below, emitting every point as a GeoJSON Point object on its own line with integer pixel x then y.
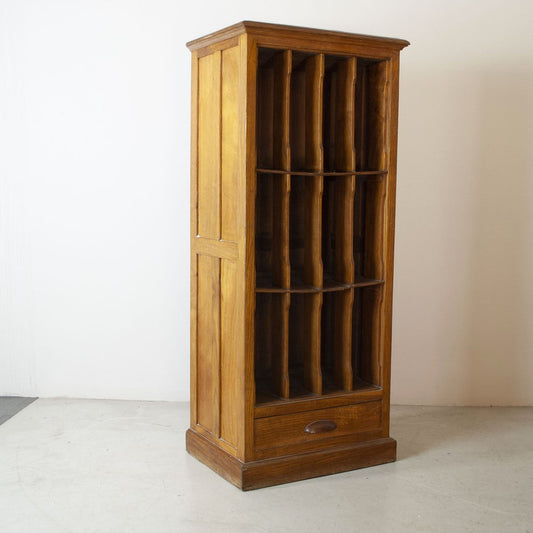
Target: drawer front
{"type": "Point", "coordinates": [308, 426]}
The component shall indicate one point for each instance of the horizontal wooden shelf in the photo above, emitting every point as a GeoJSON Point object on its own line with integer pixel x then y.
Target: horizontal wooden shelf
{"type": "Point", "coordinates": [268, 404]}
{"type": "Point", "coordinates": [332, 173]}
{"type": "Point", "coordinates": [330, 285]}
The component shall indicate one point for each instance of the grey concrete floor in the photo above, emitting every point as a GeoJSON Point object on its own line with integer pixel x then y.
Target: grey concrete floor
{"type": "Point", "coordinates": [111, 466]}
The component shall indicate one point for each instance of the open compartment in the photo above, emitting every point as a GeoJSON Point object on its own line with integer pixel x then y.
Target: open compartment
{"type": "Point", "coordinates": [305, 230]}
{"type": "Point", "coordinates": [304, 344]}
{"type": "Point", "coordinates": [273, 88]}
{"type": "Point", "coordinates": [272, 231]}
{"type": "Point", "coordinates": [369, 227]}
{"type": "Point", "coordinates": [306, 111]}
{"type": "Point", "coordinates": [366, 349]}
{"type": "Point", "coordinates": [339, 113]}
{"type": "Point", "coordinates": [336, 341]}
{"type": "Point", "coordinates": [338, 229]}
{"type": "Point", "coordinates": [264, 229]}
{"type": "Point", "coordinates": [271, 346]}
{"type": "Point", "coordinates": [372, 114]}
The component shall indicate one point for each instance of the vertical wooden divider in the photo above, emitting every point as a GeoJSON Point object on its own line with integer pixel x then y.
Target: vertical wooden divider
{"type": "Point", "coordinates": [343, 339]}
{"type": "Point", "coordinates": [344, 224]}
{"type": "Point", "coordinates": [280, 253]}
{"type": "Point", "coordinates": [281, 161]}
{"type": "Point", "coordinates": [377, 128]}
{"type": "Point", "coordinates": [313, 271]}
{"type": "Point", "coordinates": [345, 160]}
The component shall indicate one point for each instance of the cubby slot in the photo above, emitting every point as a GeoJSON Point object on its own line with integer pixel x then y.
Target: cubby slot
{"type": "Point", "coordinates": [273, 152]}
{"type": "Point", "coordinates": [338, 229]}
{"type": "Point", "coordinates": [336, 342]}
{"type": "Point", "coordinates": [372, 114]}
{"type": "Point", "coordinates": [306, 111]}
{"type": "Point", "coordinates": [305, 230]}
{"type": "Point", "coordinates": [272, 231]}
{"type": "Point", "coordinates": [366, 349]}
{"type": "Point", "coordinates": [304, 344]}
{"type": "Point", "coordinates": [264, 230]}
{"type": "Point", "coordinates": [273, 89]}
{"type": "Point", "coordinates": [339, 113]}
{"type": "Point", "coordinates": [272, 346]}
{"type": "Point", "coordinates": [369, 221]}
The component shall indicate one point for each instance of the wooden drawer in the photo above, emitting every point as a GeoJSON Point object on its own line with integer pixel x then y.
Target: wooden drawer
{"type": "Point", "coordinates": [276, 431]}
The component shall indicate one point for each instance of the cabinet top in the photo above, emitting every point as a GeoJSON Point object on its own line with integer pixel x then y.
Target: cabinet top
{"type": "Point", "coordinates": [259, 29]}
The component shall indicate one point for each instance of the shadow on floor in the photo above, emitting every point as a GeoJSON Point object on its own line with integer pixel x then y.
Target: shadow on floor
{"type": "Point", "coordinates": [11, 405]}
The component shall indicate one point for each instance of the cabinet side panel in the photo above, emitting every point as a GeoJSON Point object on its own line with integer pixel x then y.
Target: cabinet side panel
{"type": "Point", "coordinates": [209, 74]}
{"type": "Point", "coordinates": [230, 164]}
{"type": "Point", "coordinates": [231, 354]}
{"type": "Point", "coordinates": [217, 245]}
{"type": "Point", "coordinates": [208, 338]}
{"type": "Point", "coordinates": [231, 378]}
{"type": "Point", "coordinates": [194, 228]}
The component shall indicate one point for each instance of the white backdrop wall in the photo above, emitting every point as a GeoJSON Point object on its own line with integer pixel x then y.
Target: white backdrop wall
{"type": "Point", "coordinates": [94, 189]}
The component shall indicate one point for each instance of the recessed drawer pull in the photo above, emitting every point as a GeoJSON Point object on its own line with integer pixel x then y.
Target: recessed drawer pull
{"type": "Point", "coordinates": [320, 426]}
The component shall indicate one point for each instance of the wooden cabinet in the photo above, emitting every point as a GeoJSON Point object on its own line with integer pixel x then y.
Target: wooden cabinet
{"type": "Point", "coordinates": [292, 229]}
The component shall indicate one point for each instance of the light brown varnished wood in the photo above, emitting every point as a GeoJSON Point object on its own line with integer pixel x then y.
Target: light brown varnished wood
{"type": "Point", "coordinates": [215, 248]}
{"type": "Point", "coordinates": [278, 431]}
{"type": "Point", "coordinates": [388, 245]}
{"type": "Point", "coordinates": [208, 331]}
{"type": "Point", "coordinates": [293, 173]}
{"type": "Point", "coordinates": [312, 368]}
{"type": "Point", "coordinates": [278, 470]}
{"type": "Point", "coordinates": [363, 392]}
{"type": "Point", "coordinates": [209, 73]}
{"type": "Point", "coordinates": [231, 400]}
{"type": "Point", "coordinates": [230, 395]}
{"type": "Point", "coordinates": [229, 140]}
{"type": "Point", "coordinates": [313, 270]}
{"type": "Point", "coordinates": [218, 198]}
{"type": "Point", "coordinates": [193, 234]}
{"type": "Point", "coordinates": [343, 340]}
{"type": "Point", "coordinates": [247, 88]}
{"type": "Point", "coordinates": [314, 160]}
{"type": "Point", "coordinates": [302, 34]}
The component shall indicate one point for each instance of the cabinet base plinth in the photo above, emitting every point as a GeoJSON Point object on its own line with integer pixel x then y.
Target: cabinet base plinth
{"type": "Point", "coordinates": [275, 471]}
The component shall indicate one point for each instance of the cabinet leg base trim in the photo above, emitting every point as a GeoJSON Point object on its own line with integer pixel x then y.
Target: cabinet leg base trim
{"type": "Point", "coordinates": [268, 472]}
